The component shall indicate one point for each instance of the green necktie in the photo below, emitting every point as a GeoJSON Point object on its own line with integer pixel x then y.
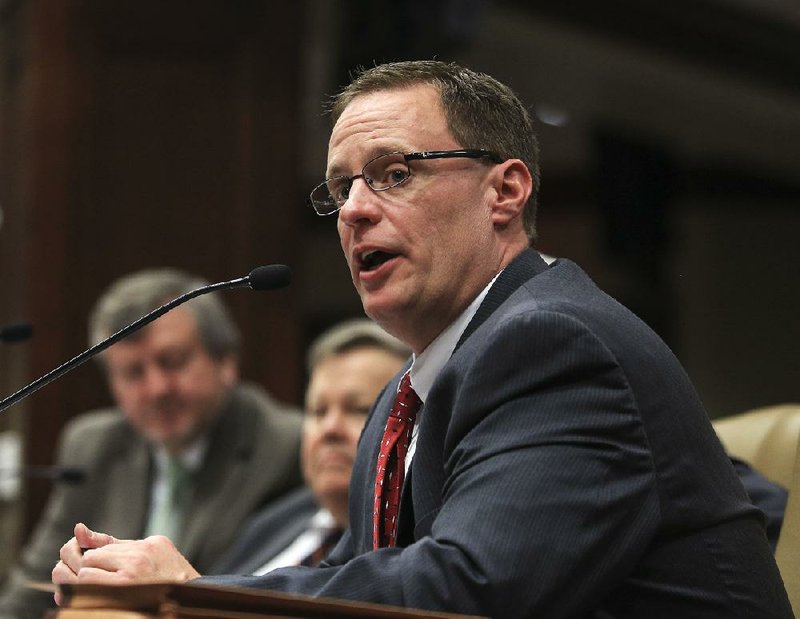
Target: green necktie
{"type": "Point", "coordinates": [167, 519]}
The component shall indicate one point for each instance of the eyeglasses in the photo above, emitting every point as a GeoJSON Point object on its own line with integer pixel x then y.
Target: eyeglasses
{"type": "Point", "coordinates": [382, 173]}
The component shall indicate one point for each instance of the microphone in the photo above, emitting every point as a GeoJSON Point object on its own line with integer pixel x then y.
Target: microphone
{"type": "Point", "coordinates": [269, 277]}
{"type": "Point", "coordinates": [16, 332]}
{"type": "Point", "coordinates": [56, 474]}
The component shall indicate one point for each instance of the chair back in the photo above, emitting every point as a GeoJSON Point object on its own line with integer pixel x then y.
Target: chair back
{"type": "Point", "coordinates": [766, 438]}
{"type": "Point", "coordinates": [788, 552]}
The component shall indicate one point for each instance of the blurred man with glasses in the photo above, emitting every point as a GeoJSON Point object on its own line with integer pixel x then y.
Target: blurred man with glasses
{"type": "Point", "coordinates": [554, 459]}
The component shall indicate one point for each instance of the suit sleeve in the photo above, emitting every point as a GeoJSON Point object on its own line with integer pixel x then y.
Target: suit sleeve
{"type": "Point", "coordinates": [40, 554]}
{"type": "Point", "coordinates": [548, 492]}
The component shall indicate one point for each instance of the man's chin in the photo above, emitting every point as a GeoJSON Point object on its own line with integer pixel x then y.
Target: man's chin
{"type": "Point", "coordinates": [332, 492]}
{"type": "Point", "coordinates": [333, 479]}
{"type": "Point", "coordinates": [383, 308]}
{"type": "Point", "coordinates": [172, 438]}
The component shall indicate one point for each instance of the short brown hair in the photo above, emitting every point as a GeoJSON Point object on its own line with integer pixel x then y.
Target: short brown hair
{"type": "Point", "coordinates": [137, 294]}
{"type": "Point", "coordinates": [352, 334]}
{"type": "Point", "coordinates": [480, 111]}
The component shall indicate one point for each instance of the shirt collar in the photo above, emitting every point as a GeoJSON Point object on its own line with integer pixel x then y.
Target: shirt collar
{"type": "Point", "coordinates": [323, 520]}
{"type": "Point", "coordinates": [426, 366]}
{"type": "Point", "coordinates": [191, 457]}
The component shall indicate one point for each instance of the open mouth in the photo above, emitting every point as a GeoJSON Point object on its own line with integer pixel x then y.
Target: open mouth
{"type": "Point", "coordinates": [371, 260]}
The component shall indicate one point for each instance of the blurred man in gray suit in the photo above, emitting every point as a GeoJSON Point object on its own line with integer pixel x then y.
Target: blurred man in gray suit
{"type": "Point", "coordinates": [545, 455]}
{"type": "Point", "coordinates": [348, 366]}
{"type": "Point", "coordinates": [187, 452]}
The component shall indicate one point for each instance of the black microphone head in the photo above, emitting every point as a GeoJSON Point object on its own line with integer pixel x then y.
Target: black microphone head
{"type": "Point", "coordinates": [16, 333]}
{"type": "Point", "coordinates": [70, 475]}
{"type": "Point", "coordinates": [270, 277]}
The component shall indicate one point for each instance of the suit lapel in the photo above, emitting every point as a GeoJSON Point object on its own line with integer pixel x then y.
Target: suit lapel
{"type": "Point", "coordinates": [525, 266]}
{"type": "Point", "coordinates": [218, 481]}
{"type": "Point", "coordinates": [528, 264]}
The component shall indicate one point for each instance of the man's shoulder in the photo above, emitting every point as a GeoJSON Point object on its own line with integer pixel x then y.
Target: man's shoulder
{"type": "Point", "coordinates": [533, 282]}
{"type": "Point", "coordinates": [251, 400]}
{"type": "Point", "coordinates": [557, 301]}
{"type": "Point", "coordinates": [96, 434]}
{"type": "Point", "coordinates": [299, 502]}
{"type": "Point", "coordinates": [534, 287]}
{"type": "Point", "coordinates": [295, 509]}
{"type": "Point", "coordinates": [100, 422]}
{"type": "Point", "coordinates": [565, 289]}
{"type": "Point", "coordinates": [563, 279]}
{"type": "Point", "coordinates": [253, 422]}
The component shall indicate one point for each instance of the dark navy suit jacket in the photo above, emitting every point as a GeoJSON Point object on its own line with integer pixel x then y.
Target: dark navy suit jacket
{"type": "Point", "coordinates": [565, 467]}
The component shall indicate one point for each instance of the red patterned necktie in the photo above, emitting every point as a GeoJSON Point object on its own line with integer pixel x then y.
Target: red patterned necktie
{"type": "Point", "coordinates": [391, 464]}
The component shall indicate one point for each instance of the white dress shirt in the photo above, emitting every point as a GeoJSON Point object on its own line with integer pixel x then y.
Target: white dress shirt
{"type": "Point", "coordinates": [426, 366]}
{"type": "Point", "coordinates": [304, 544]}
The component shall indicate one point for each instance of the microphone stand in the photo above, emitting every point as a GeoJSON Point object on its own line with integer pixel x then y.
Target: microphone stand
{"type": "Point", "coordinates": [56, 474]}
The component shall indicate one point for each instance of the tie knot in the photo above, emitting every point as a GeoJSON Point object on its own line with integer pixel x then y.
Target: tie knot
{"type": "Point", "coordinates": [407, 402]}
{"type": "Point", "coordinates": [179, 478]}
{"type": "Point", "coordinates": [176, 469]}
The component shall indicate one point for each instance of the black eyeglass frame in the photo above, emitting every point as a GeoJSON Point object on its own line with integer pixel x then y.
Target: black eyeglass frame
{"type": "Point", "coordinates": [469, 153]}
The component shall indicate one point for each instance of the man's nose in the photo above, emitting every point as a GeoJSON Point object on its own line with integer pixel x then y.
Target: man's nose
{"type": "Point", "coordinates": [362, 204]}
{"type": "Point", "coordinates": [157, 381]}
{"type": "Point", "coordinates": [333, 421]}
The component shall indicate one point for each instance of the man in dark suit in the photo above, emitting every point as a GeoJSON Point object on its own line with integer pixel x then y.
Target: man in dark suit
{"type": "Point", "coordinates": [348, 366]}
{"type": "Point", "coordinates": [179, 402]}
{"type": "Point", "coordinates": [561, 463]}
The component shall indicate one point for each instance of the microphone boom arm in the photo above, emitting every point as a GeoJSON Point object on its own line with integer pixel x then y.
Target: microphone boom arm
{"type": "Point", "coordinates": [240, 282]}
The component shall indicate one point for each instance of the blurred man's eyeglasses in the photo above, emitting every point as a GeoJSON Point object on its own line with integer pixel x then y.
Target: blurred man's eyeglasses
{"type": "Point", "coordinates": [382, 173]}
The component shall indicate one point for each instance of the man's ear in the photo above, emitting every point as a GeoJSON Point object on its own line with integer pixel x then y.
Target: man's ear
{"type": "Point", "coordinates": [512, 183]}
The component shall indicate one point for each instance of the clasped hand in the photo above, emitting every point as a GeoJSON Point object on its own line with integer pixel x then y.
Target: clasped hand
{"type": "Point", "coordinates": [97, 558]}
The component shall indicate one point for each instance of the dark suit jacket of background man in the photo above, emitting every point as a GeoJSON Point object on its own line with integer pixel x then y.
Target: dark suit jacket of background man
{"type": "Point", "coordinates": [269, 532]}
{"type": "Point", "coordinates": [253, 458]}
{"type": "Point", "coordinates": [565, 467]}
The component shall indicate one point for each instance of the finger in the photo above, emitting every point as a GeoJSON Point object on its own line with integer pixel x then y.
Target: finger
{"type": "Point", "coordinates": [71, 554]}
{"type": "Point", "coordinates": [114, 557]}
{"type": "Point", "coordinates": [92, 539]}
{"type": "Point", "coordinates": [63, 574]}
{"type": "Point", "coordinates": [101, 576]}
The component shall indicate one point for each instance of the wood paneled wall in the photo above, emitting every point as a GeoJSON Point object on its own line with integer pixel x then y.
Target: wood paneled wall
{"type": "Point", "coordinates": [137, 134]}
